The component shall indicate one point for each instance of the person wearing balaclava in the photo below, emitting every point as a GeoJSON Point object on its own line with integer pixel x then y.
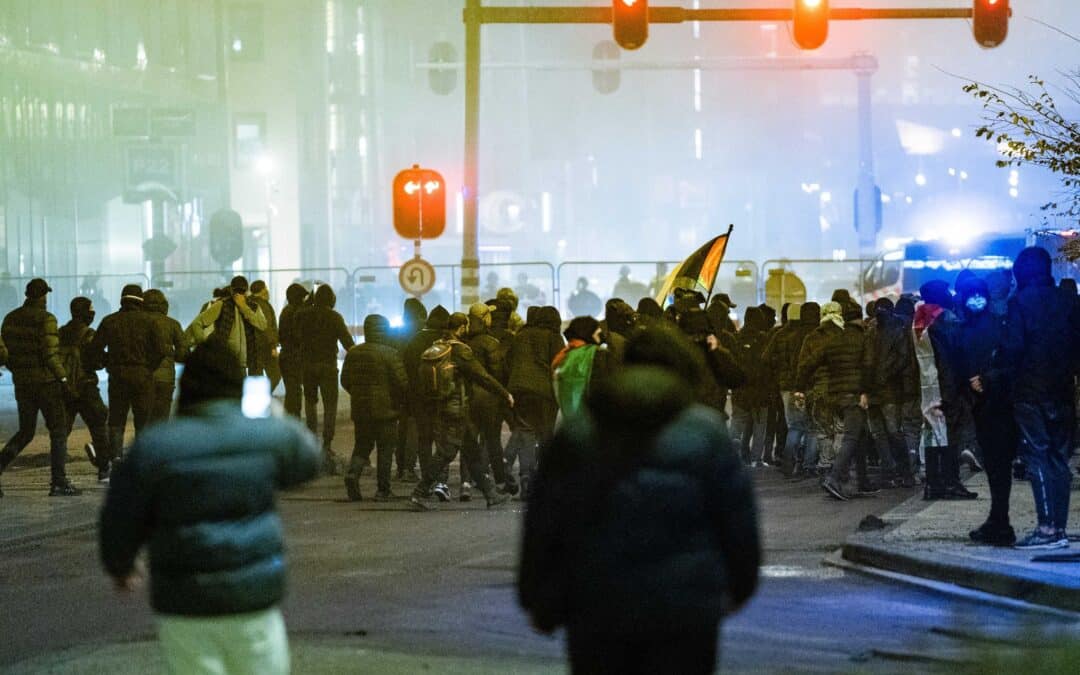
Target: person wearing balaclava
{"type": "Point", "coordinates": [936, 333]}
{"type": "Point", "coordinates": [1042, 344]}
{"type": "Point", "coordinates": [290, 357]}
{"type": "Point", "coordinates": [130, 346]}
{"type": "Point", "coordinates": [422, 415]}
{"type": "Point", "coordinates": [157, 306]}
{"type": "Point", "coordinates": [989, 393]}
{"type": "Point", "coordinates": [893, 416]}
{"type": "Point", "coordinates": [85, 401]}
{"type": "Point", "coordinates": [841, 353]}
{"type": "Point", "coordinates": [750, 402]}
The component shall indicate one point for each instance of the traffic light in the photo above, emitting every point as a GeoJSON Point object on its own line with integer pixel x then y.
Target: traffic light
{"type": "Point", "coordinates": [226, 236]}
{"type": "Point", "coordinates": [419, 203]}
{"type": "Point", "coordinates": [630, 21]}
{"type": "Point", "coordinates": [990, 22]}
{"type": "Point", "coordinates": [811, 23]}
{"type": "Point", "coordinates": [442, 82]}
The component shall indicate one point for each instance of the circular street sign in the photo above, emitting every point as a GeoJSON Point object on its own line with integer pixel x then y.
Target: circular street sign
{"type": "Point", "coordinates": [417, 277]}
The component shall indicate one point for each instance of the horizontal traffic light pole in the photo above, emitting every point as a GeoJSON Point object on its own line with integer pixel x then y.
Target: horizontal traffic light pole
{"type": "Point", "coordinates": [861, 62]}
{"type": "Point", "coordinates": [554, 15]}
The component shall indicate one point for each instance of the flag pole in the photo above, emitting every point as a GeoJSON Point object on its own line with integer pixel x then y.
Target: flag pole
{"type": "Point", "coordinates": [730, 229]}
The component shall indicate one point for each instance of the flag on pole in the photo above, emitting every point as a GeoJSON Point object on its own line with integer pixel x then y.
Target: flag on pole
{"type": "Point", "coordinates": [698, 272]}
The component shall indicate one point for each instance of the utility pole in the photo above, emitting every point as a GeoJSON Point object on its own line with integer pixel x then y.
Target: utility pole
{"type": "Point", "coordinates": [470, 243]}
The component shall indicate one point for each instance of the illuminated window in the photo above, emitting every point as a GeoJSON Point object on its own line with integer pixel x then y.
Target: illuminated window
{"type": "Point", "coordinates": [249, 139]}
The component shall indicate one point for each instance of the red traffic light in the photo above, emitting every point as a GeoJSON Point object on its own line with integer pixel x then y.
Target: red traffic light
{"type": "Point", "coordinates": [419, 203]}
{"type": "Point", "coordinates": [630, 22]}
{"type": "Point", "coordinates": [990, 22]}
{"type": "Point", "coordinates": [810, 23]}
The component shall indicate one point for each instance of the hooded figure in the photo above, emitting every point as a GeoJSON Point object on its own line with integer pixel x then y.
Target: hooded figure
{"type": "Point", "coordinates": [1042, 344]}
{"type": "Point", "coordinates": [374, 376]}
{"type": "Point", "coordinates": [290, 360]}
{"type": "Point", "coordinates": [633, 603]}
{"type": "Point", "coordinates": [413, 317]}
{"type": "Point", "coordinates": [234, 320]}
{"type": "Point", "coordinates": [321, 331]}
{"type": "Point", "coordinates": [750, 402]}
{"type": "Point", "coordinates": [722, 373]}
{"type": "Point", "coordinates": [157, 305]}
{"type": "Point", "coordinates": [508, 295]}
{"type": "Point", "coordinates": [573, 366]}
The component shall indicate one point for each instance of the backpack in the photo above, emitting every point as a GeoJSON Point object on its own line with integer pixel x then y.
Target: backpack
{"type": "Point", "coordinates": [438, 374]}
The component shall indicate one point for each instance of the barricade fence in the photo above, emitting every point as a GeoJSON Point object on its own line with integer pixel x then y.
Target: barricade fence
{"type": "Point", "coordinates": [802, 280]}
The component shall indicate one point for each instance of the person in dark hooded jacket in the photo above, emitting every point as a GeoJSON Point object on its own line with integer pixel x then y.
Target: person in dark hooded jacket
{"type": "Point", "coordinates": [414, 316]}
{"type": "Point", "coordinates": [130, 346]}
{"type": "Point", "coordinates": [721, 373]}
{"type": "Point", "coordinates": [641, 532]}
{"type": "Point", "coordinates": [321, 331]}
{"type": "Point", "coordinates": [532, 352]}
{"type": "Point", "coordinates": [374, 376]}
{"type": "Point", "coordinates": [750, 402]}
{"type": "Point", "coordinates": [290, 358]}
{"type": "Point", "coordinates": [486, 410]}
{"type": "Point", "coordinates": [157, 306]}
{"type": "Point", "coordinates": [422, 414]}
{"type": "Point", "coordinates": [782, 356]}
{"type": "Point", "coordinates": [889, 357]}
{"type": "Point", "coordinates": [618, 326]}
{"type": "Point", "coordinates": [85, 400]}
{"type": "Point", "coordinates": [1041, 348]}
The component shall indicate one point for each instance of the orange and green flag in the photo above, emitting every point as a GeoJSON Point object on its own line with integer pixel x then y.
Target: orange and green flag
{"type": "Point", "coordinates": [698, 272]}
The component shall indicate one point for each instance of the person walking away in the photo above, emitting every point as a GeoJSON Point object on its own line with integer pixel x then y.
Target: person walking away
{"type": "Point", "coordinates": [1042, 345]}
{"type": "Point", "coordinates": [414, 316]}
{"type": "Point", "coordinates": [321, 331]}
{"type": "Point", "coordinates": [936, 346]}
{"type": "Point", "coordinates": [532, 351]}
{"type": "Point", "coordinates": [892, 366]}
{"type": "Point", "coordinates": [904, 378]}
{"type": "Point", "coordinates": [131, 348]}
{"type": "Point", "coordinates": [33, 358]}
{"type": "Point", "coordinates": [84, 397]}
{"type": "Point", "coordinates": [157, 306]}
{"type": "Point", "coordinates": [486, 410]}
{"type": "Point", "coordinates": [721, 373]}
{"type": "Point", "coordinates": [989, 392]}
{"type": "Point", "coordinates": [448, 373]}
{"type": "Point", "coordinates": [199, 492]}
{"type": "Point", "coordinates": [750, 402]}
{"type": "Point", "coordinates": [782, 356]}
{"type": "Point", "coordinates": [841, 354]}
{"type": "Point", "coordinates": [576, 366]}
{"type": "Point", "coordinates": [422, 413]}
{"type": "Point", "coordinates": [266, 341]}
{"type": "Point", "coordinates": [234, 320]}
{"type": "Point", "coordinates": [374, 376]}
{"type": "Point", "coordinates": [646, 459]}
{"type": "Point", "coordinates": [290, 359]}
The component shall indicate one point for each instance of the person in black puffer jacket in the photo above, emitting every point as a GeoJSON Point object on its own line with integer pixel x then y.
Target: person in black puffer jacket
{"type": "Point", "coordinates": [532, 352]}
{"type": "Point", "coordinates": [423, 415]}
{"type": "Point", "coordinates": [721, 372]}
{"type": "Point", "coordinates": [157, 306]}
{"type": "Point", "coordinates": [85, 400]}
{"type": "Point", "coordinates": [413, 317]}
{"type": "Point", "coordinates": [31, 337]}
{"type": "Point", "coordinates": [130, 346]}
{"type": "Point", "coordinates": [374, 376]}
{"type": "Point", "coordinates": [641, 532]}
{"type": "Point", "coordinates": [1042, 346]}
{"type": "Point", "coordinates": [890, 353]}
{"type": "Point", "coordinates": [199, 492]}
{"type": "Point", "coordinates": [782, 356]}
{"type": "Point", "coordinates": [486, 410]}
{"type": "Point", "coordinates": [290, 359]}
{"type": "Point", "coordinates": [750, 402]}
{"type": "Point", "coordinates": [321, 331]}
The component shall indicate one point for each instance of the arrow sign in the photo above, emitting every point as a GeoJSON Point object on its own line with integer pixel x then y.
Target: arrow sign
{"type": "Point", "coordinates": [417, 277]}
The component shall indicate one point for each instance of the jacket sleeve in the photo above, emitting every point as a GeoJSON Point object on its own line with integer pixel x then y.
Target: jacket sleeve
{"type": "Point", "coordinates": [811, 357]}
{"type": "Point", "coordinates": [399, 381]}
{"type": "Point", "coordinates": [734, 514]}
{"type": "Point", "coordinates": [297, 459]}
{"type": "Point", "coordinates": [271, 332]}
{"type": "Point", "coordinates": [475, 373]}
{"type": "Point", "coordinates": [50, 348]}
{"type": "Point", "coordinates": [125, 518]}
{"type": "Point", "coordinates": [726, 369]}
{"type": "Point", "coordinates": [254, 316]}
{"type": "Point", "coordinates": [348, 369]}
{"type": "Point", "coordinates": [197, 330]}
{"type": "Point", "coordinates": [868, 363]}
{"type": "Point", "coordinates": [180, 344]}
{"type": "Point", "coordinates": [344, 336]}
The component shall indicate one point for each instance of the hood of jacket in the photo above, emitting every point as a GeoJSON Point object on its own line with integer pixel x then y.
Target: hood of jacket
{"type": "Point", "coordinates": [155, 301]}
{"type": "Point", "coordinates": [1033, 268]}
{"type": "Point", "coordinates": [414, 314]}
{"type": "Point", "coordinates": [810, 314]}
{"type": "Point", "coordinates": [754, 320]}
{"type": "Point", "coordinates": [325, 297]}
{"type": "Point", "coordinates": [640, 399]}
{"type": "Point", "coordinates": [377, 329]}
{"type": "Point", "coordinates": [548, 318]}
{"type": "Point", "coordinates": [438, 319]}
{"type": "Point", "coordinates": [296, 294]}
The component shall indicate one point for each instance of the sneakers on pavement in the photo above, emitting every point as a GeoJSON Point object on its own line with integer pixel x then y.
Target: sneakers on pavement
{"type": "Point", "coordinates": [1039, 540]}
{"type": "Point", "coordinates": [442, 491]}
{"type": "Point", "coordinates": [65, 489]}
{"type": "Point", "coordinates": [466, 492]}
{"type": "Point", "coordinates": [352, 488]}
{"type": "Point", "coordinates": [830, 485]}
{"type": "Point", "coordinates": [103, 474]}
{"type": "Point", "coordinates": [993, 535]}
{"type": "Point", "coordinates": [968, 457]}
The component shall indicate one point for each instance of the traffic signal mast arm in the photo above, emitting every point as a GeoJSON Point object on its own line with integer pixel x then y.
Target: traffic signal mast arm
{"type": "Point", "coordinates": [559, 15]}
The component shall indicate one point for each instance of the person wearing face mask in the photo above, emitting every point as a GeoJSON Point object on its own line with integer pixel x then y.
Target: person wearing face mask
{"type": "Point", "coordinates": [990, 395]}
{"type": "Point", "coordinates": [85, 399]}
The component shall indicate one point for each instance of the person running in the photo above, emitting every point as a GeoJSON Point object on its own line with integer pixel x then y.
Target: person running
{"type": "Point", "coordinates": [84, 397]}
{"type": "Point", "coordinates": [321, 331]}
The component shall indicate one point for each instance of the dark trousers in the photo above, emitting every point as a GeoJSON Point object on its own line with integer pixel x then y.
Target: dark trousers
{"type": "Point", "coordinates": [321, 379]}
{"type": "Point", "coordinates": [1047, 432]}
{"type": "Point", "coordinates": [95, 416]}
{"type": "Point", "coordinates": [405, 456]}
{"type": "Point", "coordinates": [749, 424]}
{"type": "Point", "coordinates": [686, 653]}
{"type": "Point", "coordinates": [425, 439]}
{"type": "Point", "coordinates": [130, 390]}
{"type": "Point", "coordinates": [163, 396]}
{"type": "Point", "coordinates": [998, 436]}
{"type": "Point", "coordinates": [887, 431]}
{"type": "Point", "coordinates": [534, 424]}
{"type": "Point", "coordinates": [450, 430]}
{"type": "Point", "coordinates": [294, 393]}
{"type": "Point", "coordinates": [382, 436]}
{"type": "Point", "coordinates": [487, 417]}
{"type": "Point", "coordinates": [48, 398]}
{"type": "Point", "coordinates": [853, 419]}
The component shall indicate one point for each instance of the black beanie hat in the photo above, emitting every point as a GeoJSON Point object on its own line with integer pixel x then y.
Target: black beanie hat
{"type": "Point", "coordinates": [936, 292]}
{"type": "Point", "coordinates": [211, 372]}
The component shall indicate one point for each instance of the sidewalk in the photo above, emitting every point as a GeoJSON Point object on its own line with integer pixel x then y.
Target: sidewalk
{"type": "Point", "coordinates": [930, 540]}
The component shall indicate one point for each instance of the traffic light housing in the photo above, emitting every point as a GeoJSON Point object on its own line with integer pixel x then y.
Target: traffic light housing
{"type": "Point", "coordinates": [419, 203]}
{"type": "Point", "coordinates": [226, 236]}
{"type": "Point", "coordinates": [990, 22]}
{"type": "Point", "coordinates": [630, 22]}
{"type": "Point", "coordinates": [810, 23]}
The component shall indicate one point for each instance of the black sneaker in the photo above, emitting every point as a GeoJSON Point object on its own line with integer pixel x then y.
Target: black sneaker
{"type": "Point", "coordinates": [465, 495]}
{"type": "Point", "coordinates": [1037, 541]}
{"type": "Point", "coordinates": [834, 489]}
{"type": "Point", "coordinates": [103, 474]}
{"type": "Point", "coordinates": [442, 491]}
{"type": "Point", "coordinates": [65, 489]}
{"type": "Point", "coordinates": [352, 488]}
{"type": "Point", "coordinates": [993, 535]}
{"type": "Point", "coordinates": [330, 464]}
{"type": "Point", "coordinates": [384, 496]}
{"type": "Point", "coordinates": [496, 499]}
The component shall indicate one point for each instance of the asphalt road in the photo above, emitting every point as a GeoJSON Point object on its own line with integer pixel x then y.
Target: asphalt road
{"type": "Point", "coordinates": [377, 581]}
